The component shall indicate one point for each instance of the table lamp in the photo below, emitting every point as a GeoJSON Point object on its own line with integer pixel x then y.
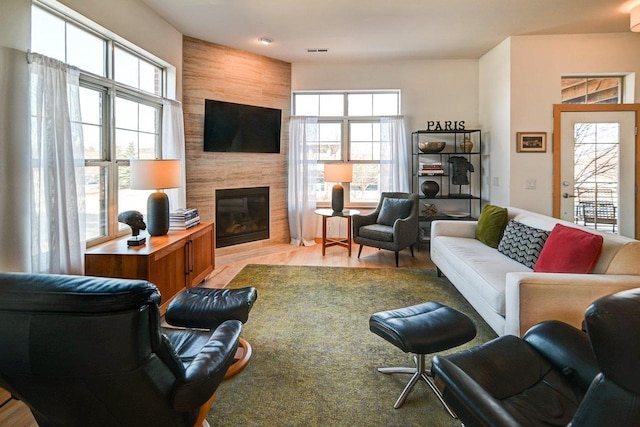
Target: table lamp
{"type": "Point", "coordinates": [156, 175]}
{"type": "Point", "coordinates": [338, 173]}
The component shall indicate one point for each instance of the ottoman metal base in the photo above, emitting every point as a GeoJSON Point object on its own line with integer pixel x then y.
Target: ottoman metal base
{"type": "Point", "coordinates": [422, 329]}
{"type": "Point", "coordinates": [420, 371]}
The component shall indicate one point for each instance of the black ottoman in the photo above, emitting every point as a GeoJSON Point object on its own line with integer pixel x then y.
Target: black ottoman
{"type": "Point", "coordinates": [207, 308]}
{"type": "Point", "coordinates": [422, 329]}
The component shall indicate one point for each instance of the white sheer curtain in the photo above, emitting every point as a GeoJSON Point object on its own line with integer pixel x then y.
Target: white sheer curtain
{"type": "Point", "coordinates": [57, 169]}
{"type": "Point", "coordinates": [394, 155]}
{"type": "Point", "coordinates": [302, 178]}
{"type": "Point", "coordinates": [173, 148]}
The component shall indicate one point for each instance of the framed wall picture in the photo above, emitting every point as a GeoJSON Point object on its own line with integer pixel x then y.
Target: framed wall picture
{"type": "Point", "coordinates": [531, 142]}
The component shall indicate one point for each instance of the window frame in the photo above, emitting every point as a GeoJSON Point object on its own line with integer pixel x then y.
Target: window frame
{"type": "Point", "coordinates": [587, 78]}
{"type": "Point", "coordinates": [346, 121]}
{"type": "Point", "coordinates": [111, 90]}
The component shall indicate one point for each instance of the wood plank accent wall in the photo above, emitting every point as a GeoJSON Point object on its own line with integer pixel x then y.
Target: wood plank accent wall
{"type": "Point", "coordinates": [212, 71]}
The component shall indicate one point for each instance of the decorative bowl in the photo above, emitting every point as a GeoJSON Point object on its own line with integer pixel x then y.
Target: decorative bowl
{"type": "Point", "coordinates": [431, 146]}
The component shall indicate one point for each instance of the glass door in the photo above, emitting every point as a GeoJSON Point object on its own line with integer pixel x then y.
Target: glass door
{"type": "Point", "coordinates": [597, 171]}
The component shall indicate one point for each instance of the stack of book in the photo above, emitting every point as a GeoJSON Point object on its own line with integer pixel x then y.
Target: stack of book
{"type": "Point", "coordinates": [183, 219]}
{"type": "Point", "coordinates": [434, 168]}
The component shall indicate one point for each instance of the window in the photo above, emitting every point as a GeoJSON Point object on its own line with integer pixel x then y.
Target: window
{"type": "Point", "coordinates": [121, 113]}
{"type": "Point", "coordinates": [136, 137]}
{"type": "Point", "coordinates": [596, 174]}
{"type": "Point", "coordinates": [591, 90]}
{"type": "Point", "coordinates": [96, 178]}
{"type": "Point", "coordinates": [137, 72]}
{"type": "Point", "coordinates": [53, 36]}
{"type": "Point", "coordinates": [348, 130]}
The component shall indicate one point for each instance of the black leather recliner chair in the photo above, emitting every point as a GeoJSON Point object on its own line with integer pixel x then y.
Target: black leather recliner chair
{"type": "Point", "coordinates": [88, 351]}
{"type": "Point", "coordinates": [550, 377]}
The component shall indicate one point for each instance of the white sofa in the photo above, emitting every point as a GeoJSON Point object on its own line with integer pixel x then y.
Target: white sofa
{"type": "Point", "coordinates": [510, 296]}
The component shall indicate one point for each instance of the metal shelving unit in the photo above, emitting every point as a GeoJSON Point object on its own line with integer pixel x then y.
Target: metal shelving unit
{"type": "Point", "coordinates": [459, 195]}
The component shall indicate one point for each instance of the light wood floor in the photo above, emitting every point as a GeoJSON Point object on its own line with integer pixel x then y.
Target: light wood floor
{"type": "Point", "coordinates": [16, 414]}
{"type": "Point", "coordinates": [229, 265]}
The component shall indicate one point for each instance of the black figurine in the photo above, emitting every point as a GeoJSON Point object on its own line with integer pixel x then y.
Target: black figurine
{"type": "Point", "coordinates": [461, 167]}
{"type": "Point", "coordinates": [134, 219]}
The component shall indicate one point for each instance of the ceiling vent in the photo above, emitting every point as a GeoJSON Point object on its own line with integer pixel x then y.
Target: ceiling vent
{"type": "Point", "coordinates": [318, 50]}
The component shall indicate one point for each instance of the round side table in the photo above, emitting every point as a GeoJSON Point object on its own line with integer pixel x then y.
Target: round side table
{"type": "Point", "coordinates": [333, 241]}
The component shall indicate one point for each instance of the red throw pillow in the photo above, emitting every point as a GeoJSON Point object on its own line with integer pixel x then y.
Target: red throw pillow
{"type": "Point", "coordinates": [569, 250]}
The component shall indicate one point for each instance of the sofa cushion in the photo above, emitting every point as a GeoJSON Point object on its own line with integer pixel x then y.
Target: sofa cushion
{"type": "Point", "coordinates": [522, 243]}
{"type": "Point", "coordinates": [569, 250]}
{"type": "Point", "coordinates": [393, 209]}
{"type": "Point", "coordinates": [477, 270]}
{"type": "Point", "coordinates": [491, 224]}
{"type": "Point", "coordinates": [379, 232]}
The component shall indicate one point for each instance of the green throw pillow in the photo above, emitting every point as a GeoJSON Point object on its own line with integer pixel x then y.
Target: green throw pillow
{"type": "Point", "coordinates": [491, 224]}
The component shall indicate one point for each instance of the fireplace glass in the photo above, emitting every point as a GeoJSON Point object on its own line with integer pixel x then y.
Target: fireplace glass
{"type": "Point", "coordinates": [242, 215]}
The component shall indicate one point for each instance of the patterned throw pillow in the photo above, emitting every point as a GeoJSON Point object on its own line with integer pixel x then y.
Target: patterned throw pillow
{"type": "Point", "coordinates": [522, 243]}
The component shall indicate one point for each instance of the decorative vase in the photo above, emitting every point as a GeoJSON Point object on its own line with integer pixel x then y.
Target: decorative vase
{"type": "Point", "coordinates": [430, 188]}
{"type": "Point", "coordinates": [466, 145]}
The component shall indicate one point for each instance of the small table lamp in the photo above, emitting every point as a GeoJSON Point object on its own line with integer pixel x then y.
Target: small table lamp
{"type": "Point", "coordinates": [338, 173]}
{"type": "Point", "coordinates": [156, 175]}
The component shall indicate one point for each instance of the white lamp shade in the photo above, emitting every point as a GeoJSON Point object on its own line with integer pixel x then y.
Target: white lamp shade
{"type": "Point", "coordinates": [155, 174]}
{"type": "Point", "coordinates": [338, 172]}
{"type": "Point", "coordinates": [634, 22]}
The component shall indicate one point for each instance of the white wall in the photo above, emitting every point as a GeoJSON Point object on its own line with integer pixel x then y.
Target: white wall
{"type": "Point", "coordinates": [495, 121]}
{"type": "Point", "coordinates": [14, 135]}
{"type": "Point", "coordinates": [14, 32]}
{"type": "Point", "coordinates": [431, 90]}
{"type": "Point", "coordinates": [537, 64]}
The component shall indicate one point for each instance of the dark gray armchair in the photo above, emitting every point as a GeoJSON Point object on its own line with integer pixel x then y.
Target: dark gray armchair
{"type": "Point", "coordinates": [392, 226]}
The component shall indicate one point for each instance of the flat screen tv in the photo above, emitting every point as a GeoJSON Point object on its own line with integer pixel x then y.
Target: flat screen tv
{"type": "Point", "coordinates": [230, 127]}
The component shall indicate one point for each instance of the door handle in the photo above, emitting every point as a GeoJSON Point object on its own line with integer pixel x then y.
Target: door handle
{"type": "Point", "coordinates": [187, 258]}
{"type": "Point", "coordinates": [567, 195]}
{"type": "Point", "coordinates": [191, 257]}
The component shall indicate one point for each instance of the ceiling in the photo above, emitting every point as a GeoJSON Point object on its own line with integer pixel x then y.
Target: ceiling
{"type": "Point", "coordinates": [382, 30]}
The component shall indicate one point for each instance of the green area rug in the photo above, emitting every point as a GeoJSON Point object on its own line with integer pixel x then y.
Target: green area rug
{"type": "Point", "coordinates": [314, 359]}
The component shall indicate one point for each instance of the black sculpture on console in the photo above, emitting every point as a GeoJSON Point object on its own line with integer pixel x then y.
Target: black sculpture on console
{"type": "Point", "coordinates": [134, 220]}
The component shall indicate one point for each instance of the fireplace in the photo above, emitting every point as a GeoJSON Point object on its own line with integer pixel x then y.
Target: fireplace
{"type": "Point", "coordinates": [242, 215]}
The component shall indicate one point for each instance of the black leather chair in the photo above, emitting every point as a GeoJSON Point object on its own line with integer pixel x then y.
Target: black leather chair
{"type": "Point", "coordinates": [550, 377]}
{"type": "Point", "coordinates": [88, 351]}
{"type": "Point", "coordinates": [393, 225]}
